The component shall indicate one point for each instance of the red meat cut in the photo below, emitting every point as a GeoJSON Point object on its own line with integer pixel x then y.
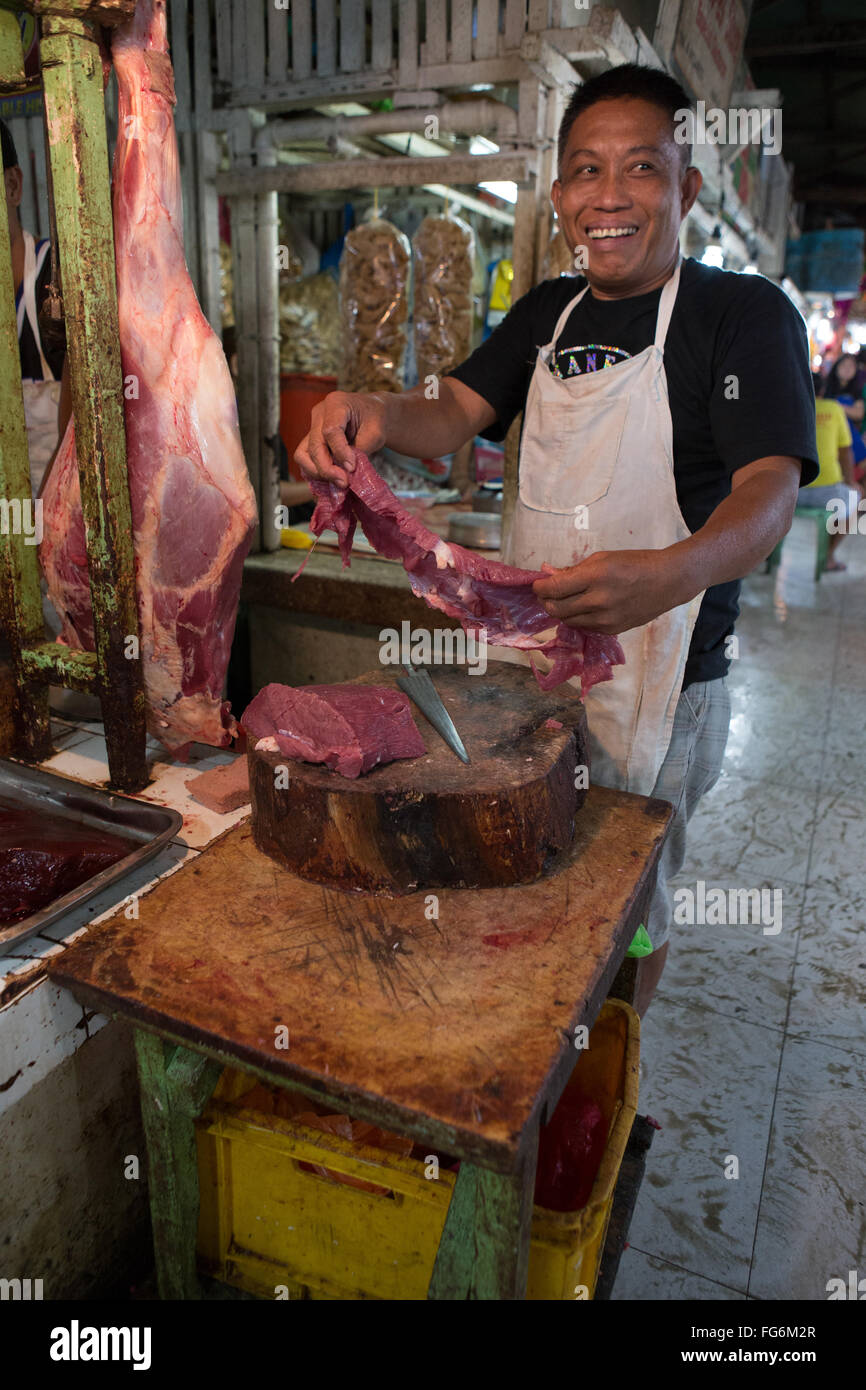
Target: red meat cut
{"type": "Point", "coordinates": [484, 595]}
{"type": "Point", "coordinates": [350, 728]}
{"type": "Point", "coordinates": [193, 509]}
{"type": "Point", "coordinates": [570, 1150]}
{"type": "Point", "coordinates": [43, 857]}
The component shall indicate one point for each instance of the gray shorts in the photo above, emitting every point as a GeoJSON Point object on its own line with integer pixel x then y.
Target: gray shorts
{"type": "Point", "coordinates": [817, 498]}
{"type": "Point", "coordinates": [691, 767]}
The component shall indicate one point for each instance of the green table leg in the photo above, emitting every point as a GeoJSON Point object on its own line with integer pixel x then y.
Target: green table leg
{"type": "Point", "coordinates": [774, 559]}
{"type": "Point", "coordinates": [175, 1086]}
{"type": "Point", "coordinates": [484, 1250]}
{"type": "Point", "coordinates": [823, 548]}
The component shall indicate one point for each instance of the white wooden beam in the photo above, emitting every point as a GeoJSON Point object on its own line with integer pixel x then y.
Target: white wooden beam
{"type": "Point", "coordinates": [665, 29]}
{"type": "Point", "coordinates": [607, 25]}
{"type": "Point", "coordinates": [326, 37]}
{"type": "Point", "coordinates": [498, 71]}
{"type": "Point", "coordinates": [245, 281]}
{"type": "Point", "coordinates": [579, 45]}
{"type": "Point", "coordinates": [515, 23]}
{"type": "Point", "coordinates": [408, 42]}
{"type": "Point", "coordinates": [461, 32]}
{"type": "Point", "coordinates": [547, 62]}
{"type": "Point", "coordinates": [278, 42]}
{"type": "Point", "coordinates": [515, 167]}
{"type": "Point", "coordinates": [353, 24]}
{"type": "Point", "coordinates": [267, 239]}
{"type": "Point", "coordinates": [313, 91]}
{"type": "Point", "coordinates": [486, 28]}
{"type": "Point", "coordinates": [383, 36]}
{"type": "Point", "coordinates": [436, 33]}
{"type": "Point", "coordinates": [302, 40]}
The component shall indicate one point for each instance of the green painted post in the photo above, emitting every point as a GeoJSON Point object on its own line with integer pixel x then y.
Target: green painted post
{"type": "Point", "coordinates": [484, 1249]}
{"type": "Point", "coordinates": [11, 54]}
{"type": "Point", "coordinates": [50, 661]}
{"type": "Point", "coordinates": [175, 1086]}
{"type": "Point", "coordinates": [823, 546]}
{"type": "Point", "coordinates": [20, 598]}
{"type": "Point", "coordinates": [75, 117]}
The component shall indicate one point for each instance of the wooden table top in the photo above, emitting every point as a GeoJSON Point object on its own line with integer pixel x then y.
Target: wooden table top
{"type": "Point", "coordinates": [457, 1029]}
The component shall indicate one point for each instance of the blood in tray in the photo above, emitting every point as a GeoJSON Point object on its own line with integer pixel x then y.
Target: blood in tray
{"type": "Point", "coordinates": [42, 857]}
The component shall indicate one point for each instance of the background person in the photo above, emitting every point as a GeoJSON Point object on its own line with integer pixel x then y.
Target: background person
{"type": "Point", "coordinates": [844, 383]}
{"type": "Point", "coordinates": [47, 400]}
{"type": "Point", "coordinates": [835, 478]}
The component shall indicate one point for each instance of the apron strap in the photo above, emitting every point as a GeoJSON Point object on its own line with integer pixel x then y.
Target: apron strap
{"type": "Point", "coordinates": [564, 316]}
{"type": "Point", "coordinates": [29, 265]}
{"type": "Point", "coordinates": [666, 305]}
{"type": "Point", "coordinates": [666, 308]}
{"type": "Point", "coordinates": [33, 263]}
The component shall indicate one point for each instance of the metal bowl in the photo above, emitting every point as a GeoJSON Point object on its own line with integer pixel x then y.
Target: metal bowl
{"type": "Point", "coordinates": [477, 530]}
{"type": "Point", "coordinates": [487, 500]}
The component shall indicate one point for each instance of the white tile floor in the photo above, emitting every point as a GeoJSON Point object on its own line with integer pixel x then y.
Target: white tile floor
{"type": "Point", "coordinates": [755, 1046]}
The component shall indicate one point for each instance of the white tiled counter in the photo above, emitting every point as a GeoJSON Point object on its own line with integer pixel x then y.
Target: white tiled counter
{"type": "Point", "coordinates": [69, 1115]}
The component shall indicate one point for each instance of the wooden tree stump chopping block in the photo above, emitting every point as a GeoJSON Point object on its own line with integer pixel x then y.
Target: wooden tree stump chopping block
{"type": "Point", "coordinates": [434, 822]}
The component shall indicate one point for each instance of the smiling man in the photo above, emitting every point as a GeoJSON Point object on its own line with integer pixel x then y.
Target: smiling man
{"type": "Point", "coordinates": [668, 422]}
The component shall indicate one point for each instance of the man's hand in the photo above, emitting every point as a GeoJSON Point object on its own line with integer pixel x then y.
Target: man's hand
{"type": "Point", "coordinates": [613, 590]}
{"type": "Point", "coordinates": [405, 420]}
{"type": "Point", "coordinates": [339, 424]}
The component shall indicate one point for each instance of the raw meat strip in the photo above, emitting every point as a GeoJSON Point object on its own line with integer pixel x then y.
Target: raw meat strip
{"type": "Point", "coordinates": [570, 1149]}
{"type": "Point", "coordinates": [481, 593]}
{"type": "Point", "coordinates": [223, 789]}
{"type": "Point", "coordinates": [193, 509]}
{"type": "Point", "coordinates": [42, 857]}
{"type": "Point", "coordinates": [351, 728]}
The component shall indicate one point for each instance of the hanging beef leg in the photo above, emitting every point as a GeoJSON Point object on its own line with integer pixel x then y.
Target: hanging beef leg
{"type": "Point", "coordinates": [193, 508]}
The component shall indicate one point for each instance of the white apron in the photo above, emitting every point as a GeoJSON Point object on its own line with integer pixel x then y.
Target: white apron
{"type": "Point", "coordinates": [41, 398]}
{"type": "Point", "coordinates": [596, 473]}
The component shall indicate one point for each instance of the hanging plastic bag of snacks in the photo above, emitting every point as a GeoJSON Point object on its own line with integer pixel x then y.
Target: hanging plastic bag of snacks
{"type": "Point", "coordinates": [374, 276]}
{"type": "Point", "coordinates": [444, 250]}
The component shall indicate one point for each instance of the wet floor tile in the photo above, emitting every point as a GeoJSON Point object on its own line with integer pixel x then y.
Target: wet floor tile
{"type": "Point", "coordinates": [799, 703]}
{"type": "Point", "coordinates": [800, 649]}
{"type": "Point", "coordinates": [797, 590]}
{"type": "Point", "coordinates": [828, 997]}
{"type": "Point", "coordinates": [766, 744]}
{"type": "Point", "coordinates": [751, 832]}
{"type": "Point", "coordinates": [846, 729]}
{"type": "Point", "coordinates": [812, 1221]}
{"type": "Point", "coordinates": [642, 1276]}
{"type": "Point", "coordinates": [64, 735]}
{"type": "Point", "coordinates": [843, 774]}
{"type": "Point", "coordinates": [838, 845]}
{"type": "Point", "coordinates": [850, 667]}
{"type": "Point", "coordinates": [741, 967]}
{"type": "Point", "coordinates": [710, 1084]}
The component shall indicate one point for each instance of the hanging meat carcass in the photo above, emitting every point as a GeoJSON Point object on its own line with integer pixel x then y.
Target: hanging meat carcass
{"type": "Point", "coordinates": [193, 509]}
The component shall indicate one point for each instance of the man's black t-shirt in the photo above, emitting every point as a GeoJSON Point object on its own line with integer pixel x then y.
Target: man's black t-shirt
{"type": "Point", "coordinates": [739, 386]}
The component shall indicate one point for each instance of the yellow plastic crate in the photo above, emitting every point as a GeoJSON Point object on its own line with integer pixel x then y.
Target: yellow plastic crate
{"type": "Point", "coordinates": [266, 1223]}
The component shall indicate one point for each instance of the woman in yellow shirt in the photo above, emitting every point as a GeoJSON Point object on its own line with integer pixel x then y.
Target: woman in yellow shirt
{"type": "Point", "coordinates": [835, 481]}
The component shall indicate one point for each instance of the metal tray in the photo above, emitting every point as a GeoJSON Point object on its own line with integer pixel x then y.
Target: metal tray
{"type": "Point", "coordinates": [34, 789]}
